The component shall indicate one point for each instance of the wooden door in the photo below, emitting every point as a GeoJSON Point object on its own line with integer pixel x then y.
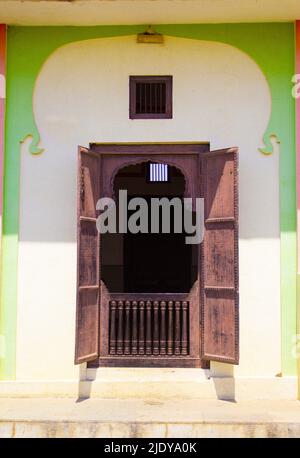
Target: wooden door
{"type": "Point", "coordinates": [88, 257]}
{"type": "Point", "coordinates": [219, 257]}
{"type": "Point", "coordinates": [163, 328]}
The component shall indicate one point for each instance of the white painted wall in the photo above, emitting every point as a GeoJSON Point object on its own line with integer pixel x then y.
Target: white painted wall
{"type": "Point", "coordinates": [81, 95]}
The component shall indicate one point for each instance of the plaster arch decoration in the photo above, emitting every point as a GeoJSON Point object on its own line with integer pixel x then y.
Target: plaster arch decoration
{"type": "Point", "coordinates": [219, 92]}
{"type": "Point", "coordinates": [237, 37]}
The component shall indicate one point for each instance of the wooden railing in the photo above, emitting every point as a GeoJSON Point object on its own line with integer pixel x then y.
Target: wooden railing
{"type": "Point", "coordinates": [149, 327]}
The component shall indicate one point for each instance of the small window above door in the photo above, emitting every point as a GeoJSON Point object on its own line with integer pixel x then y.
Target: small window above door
{"type": "Point", "coordinates": [150, 97]}
{"type": "Point", "coordinates": [158, 172]}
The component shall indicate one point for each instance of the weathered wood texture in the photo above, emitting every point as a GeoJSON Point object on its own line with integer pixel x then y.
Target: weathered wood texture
{"type": "Point", "coordinates": [88, 265]}
{"type": "Point", "coordinates": [219, 257]}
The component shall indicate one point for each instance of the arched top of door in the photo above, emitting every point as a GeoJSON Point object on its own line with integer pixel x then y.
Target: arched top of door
{"type": "Point", "coordinates": [185, 157]}
{"type": "Point", "coordinates": [172, 165]}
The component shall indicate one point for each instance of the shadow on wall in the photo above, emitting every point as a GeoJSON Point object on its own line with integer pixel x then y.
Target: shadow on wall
{"type": "Point", "coordinates": [224, 384]}
{"type": "Point", "coordinates": [85, 384]}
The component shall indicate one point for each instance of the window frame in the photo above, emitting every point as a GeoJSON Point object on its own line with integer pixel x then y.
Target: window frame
{"type": "Point", "coordinates": [167, 79]}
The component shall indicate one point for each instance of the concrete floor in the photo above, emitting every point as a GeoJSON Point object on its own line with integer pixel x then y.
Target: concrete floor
{"type": "Point", "coordinates": [116, 418]}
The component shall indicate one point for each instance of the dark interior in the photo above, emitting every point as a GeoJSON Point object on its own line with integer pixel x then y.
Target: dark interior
{"type": "Point", "coordinates": [148, 263]}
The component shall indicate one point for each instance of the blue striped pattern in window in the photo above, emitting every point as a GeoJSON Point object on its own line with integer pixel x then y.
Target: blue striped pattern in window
{"type": "Point", "coordinates": [158, 172]}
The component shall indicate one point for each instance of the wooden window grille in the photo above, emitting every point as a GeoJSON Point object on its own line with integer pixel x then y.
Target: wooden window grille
{"type": "Point", "coordinates": [150, 97]}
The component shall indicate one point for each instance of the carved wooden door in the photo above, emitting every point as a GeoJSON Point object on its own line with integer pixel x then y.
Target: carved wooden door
{"type": "Point", "coordinates": [178, 329]}
{"type": "Point", "coordinates": [219, 257]}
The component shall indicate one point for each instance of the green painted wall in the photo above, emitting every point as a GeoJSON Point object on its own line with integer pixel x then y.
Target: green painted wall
{"type": "Point", "coordinates": [270, 45]}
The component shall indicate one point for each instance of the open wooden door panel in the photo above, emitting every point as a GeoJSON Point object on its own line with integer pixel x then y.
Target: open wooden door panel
{"type": "Point", "coordinates": [88, 256]}
{"type": "Point", "coordinates": [219, 257]}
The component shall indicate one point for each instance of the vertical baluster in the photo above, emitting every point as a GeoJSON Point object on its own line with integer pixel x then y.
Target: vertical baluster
{"type": "Point", "coordinates": [150, 98]}
{"type": "Point", "coordinates": [170, 328]}
{"type": "Point", "coordinates": [148, 328]}
{"type": "Point", "coordinates": [184, 331]}
{"type": "Point", "coordinates": [160, 98]}
{"type": "Point", "coordinates": [140, 99]}
{"type": "Point", "coordinates": [120, 329]}
{"type": "Point", "coordinates": [145, 99]}
{"type": "Point", "coordinates": [163, 328]}
{"type": "Point", "coordinates": [155, 328]}
{"type": "Point", "coordinates": [142, 328]}
{"type": "Point", "coordinates": [134, 329]}
{"type": "Point", "coordinates": [127, 329]}
{"type": "Point", "coordinates": [177, 328]}
{"type": "Point", "coordinates": [112, 334]}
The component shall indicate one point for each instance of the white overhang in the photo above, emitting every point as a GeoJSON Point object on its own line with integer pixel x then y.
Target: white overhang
{"type": "Point", "coordinates": [93, 12]}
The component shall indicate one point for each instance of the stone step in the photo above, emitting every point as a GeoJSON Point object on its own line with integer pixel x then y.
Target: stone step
{"type": "Point", "coordinates": [117, 418]}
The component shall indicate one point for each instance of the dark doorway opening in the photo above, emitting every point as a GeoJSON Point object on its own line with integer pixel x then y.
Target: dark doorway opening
{"type": "Point", "coordinates": [151, 262]}
{"type": "Point", "coordinates": [157, 263]}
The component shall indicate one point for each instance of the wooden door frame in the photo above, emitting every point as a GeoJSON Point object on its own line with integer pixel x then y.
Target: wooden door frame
{"type": "Point", "coordinates": [121, 155]}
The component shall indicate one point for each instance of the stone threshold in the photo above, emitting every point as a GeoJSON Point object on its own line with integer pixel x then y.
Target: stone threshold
{"type": "Point", "coordinates": [152, 418]}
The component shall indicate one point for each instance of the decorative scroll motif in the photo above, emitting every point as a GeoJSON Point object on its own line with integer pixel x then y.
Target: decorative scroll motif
{"type": "Point", "coordinates": [151, 328]}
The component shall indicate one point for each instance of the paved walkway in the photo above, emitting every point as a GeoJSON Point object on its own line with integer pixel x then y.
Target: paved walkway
{"type": "Point", "coordinates": [111, 418]}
